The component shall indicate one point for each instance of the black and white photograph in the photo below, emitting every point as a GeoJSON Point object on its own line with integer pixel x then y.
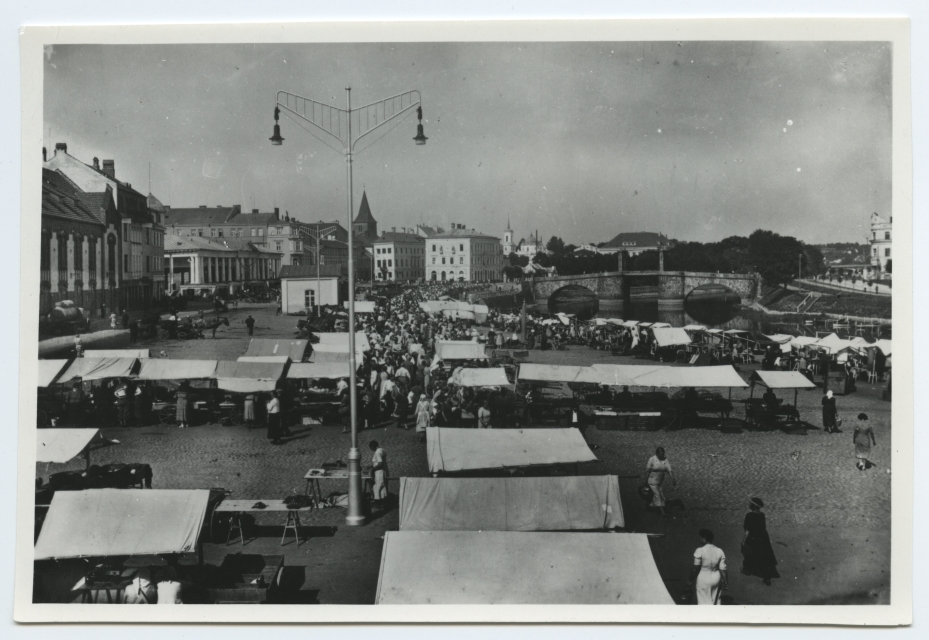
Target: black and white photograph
{"type": "Point", "coordinates": [451, 321]}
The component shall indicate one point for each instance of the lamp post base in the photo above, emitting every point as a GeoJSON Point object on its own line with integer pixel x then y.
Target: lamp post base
{"type": "Point", "coordinates": [355, 517]}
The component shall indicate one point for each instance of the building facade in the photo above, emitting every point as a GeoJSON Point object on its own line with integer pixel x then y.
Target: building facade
{"type": "Point", "coordinates": [399, 257]}
{"type": "Point", "coordinates": [881, 241]}
{"type": "Point", "coordinates": [197, 265]}
{"type": "Point", "coordinates": [531, 247]}
{"type": "Point", "coordinates": [303, 288]}
{"type": "Point", "coordinates": [73, 251]}
{"type": "Point", "coordinates": [139, 237]}
{"type": "Point", "coordinates": [463, 255]}
{"type": "Point", "coordinates": [632, 243]}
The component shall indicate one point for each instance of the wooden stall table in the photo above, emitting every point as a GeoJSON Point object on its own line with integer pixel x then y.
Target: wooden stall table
{"type": "Point", "coordinates": [113, 586]}
{"type": "Point", "coordinates": [620, 420]}
{"type": "Point", "coordinates": [313, 476]}
{"type": "Point", "coordinates": [237, 508]}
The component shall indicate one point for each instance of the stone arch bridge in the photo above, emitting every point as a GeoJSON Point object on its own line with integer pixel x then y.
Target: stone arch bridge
{"type": "Point", "coordinates": [673, 286]}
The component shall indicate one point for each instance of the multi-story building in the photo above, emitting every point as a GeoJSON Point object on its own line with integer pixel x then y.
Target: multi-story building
{"type": "Point", "coordinates": [73, 250]}
{"type": "Point", "coordinates": [139, 236]}
{"type": "Point", "coordinates": [399, 257]}
{"type": "Point", "coordinates": [632, 243]}
{"type": "Point", "coordinates": [197, 265]}
{"type": "Point", "coordinates": [463, 255]}
{"type": "Point", "coordinates": [881, 241]}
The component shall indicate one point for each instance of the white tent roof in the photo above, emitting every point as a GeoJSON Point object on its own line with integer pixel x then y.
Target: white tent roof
{"type": "Point", "coordinates": [885, 346]}
{"type": "Point", "coordinates": [116, 353]}
{"type": "Point", "coordinates": [782, 379]}
{"type": "Point", "coordinates": [510, 567]}
{"type": "Point", "coordinates": [99, 368]}
{"type": "Point", "coordinates": [121, 522]}
{"type": "Point", "coordinates": [714, 331]}
{"type": "Point", "coordinates": [165, 369]}
{"type": "Point", "coordinates": [630, 323]}
{"type": "Point", "coordinates": [62, 445]}
{"type": "Point", "coordinates": [734, 331]}
{"type": "Point", "coordinates": [331, 353]}
{"type": "Point", "coordinates": [802, 341]}
{"type": "Point", "coordinates": [276, 348]}
{"type": "Point", "coordinates": [467, 377]}
{"type": "Point", "coordinates": [361, 340]}
{"type": "Point", "coordinates": [49, 371]}
{"type": "Point", "coordinates": [273, 359]}
{"type": "Point", "coordinates": [780, 338]}
{"type": "Point", "coordinates": [318, 370]}
{"type": "Point", "coordinates": [449, 449]}
{"type": "Point", "coordinates": [362, 306]}
{"type": "Point", "coordinates": [660, 325]}
{"type": "Point", "coordinates": [703, 377]}
{"type": "Point", "coordinates": [694, 327]}
{"type": "Point", "coordinates": [670, 337]}
{"type": "Point", "coordinates": [558, 503]}
{"type": "Point", "coordinates": [833, 343]}
{"type": "Point", "coordinates": [459, 350]}
{"type": "Point", "coordinates": [548, 372]}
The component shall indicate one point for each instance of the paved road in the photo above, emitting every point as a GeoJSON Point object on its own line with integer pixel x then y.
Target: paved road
{"type": "Point", "coordinates": [829, 522]}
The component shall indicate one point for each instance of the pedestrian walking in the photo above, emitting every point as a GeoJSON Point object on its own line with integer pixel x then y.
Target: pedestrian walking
{"type": "Point", "coordinates": [133, 331]}
{"type": "Point", "coordinates": [124, 398]}
{"type": "Point", "coordinates": [484, 417]}
{"type": "Point", "coordinates": [274, 419]}
{"type": "Point", "coordinates": [248, 410]}
{"type": "Point", "coordinates": [863, 438]}
{"type": "Point", "coordinates": [757, 553]}
{"type": "Point", "coordinates": [423, 416]}
{"type": "Point", "coordinates": [75, 403]}
{"type": "Point", "coordinates": [830, 414]}
{"type": "Point", "coordinates": [709, 576]}
{"type": "Point", "coordinates": [183, 397]}
{"type": "Point", "coordinates": [125, 319]}
{"type": "Point", "coordinates": [113, 320]}
{"type": "Point", "coordinates": [250, 324]}
{"type": "Point", "coordinates": [657, 468]}
{"type": "Point", "coordinates": [379, 473]}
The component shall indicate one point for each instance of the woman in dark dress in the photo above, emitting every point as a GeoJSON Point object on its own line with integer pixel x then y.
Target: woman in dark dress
{"type": "Point", "coordinates": [829, 414]}
{"type": "Point", "coordinates": [757, 555]}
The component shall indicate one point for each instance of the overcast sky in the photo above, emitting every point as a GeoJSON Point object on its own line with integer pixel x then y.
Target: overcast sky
{"type": "Point", "coordinates": [581, 140]}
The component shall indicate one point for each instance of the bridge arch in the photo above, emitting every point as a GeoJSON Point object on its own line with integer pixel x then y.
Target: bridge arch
{"type": "Point", "coordinates": [714, 291]}
{"type": "Point", "coordinates": [574, 295]}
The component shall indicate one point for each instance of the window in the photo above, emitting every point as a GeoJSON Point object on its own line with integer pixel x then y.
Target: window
{"type": "Point", "coordinates": [443, 260]}
{"type": "Point", "coordinates": [309, 298]}
{"type": "Point", "coordinates": [254, 232]}
{"type": "Point", "coordinates": [461, 247]}
{"type": "Point", "coordinates": [887, 235]}
{"type": "Point", "coordinates": [126, 264]}
{"type": "Point", "coordinates": [433, 262]}
{"type": "Point", "coordinates": [148, 263]}
{"type": "Point", "coordinates": [886, 253]}
{"type": "Point", "coordinates": [461, 260]}
{"type": "Point", "coordinates": [433, 248]}
{"type": "Point", "coordinates": [220, 232]}
{"type": "Point", "coordinates": [390, 263]}
{"type": "Point", "coordinates": [278, 246]}
{"type": "Point", "coordinates": [279, 230]}
{"type": "Point", "coordinates": [212, 233]}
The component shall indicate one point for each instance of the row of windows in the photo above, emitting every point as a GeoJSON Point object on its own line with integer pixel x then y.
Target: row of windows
{"type": "Point", "coordinates": [400, 250]}
{"type": "Point", "coordinates": [886, 235]}
{"type": "Point", "coordinates": [886, 252]}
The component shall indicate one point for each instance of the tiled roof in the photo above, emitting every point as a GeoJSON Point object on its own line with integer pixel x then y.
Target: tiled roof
{"type": "Point", "coordinates": [392, 236]}
{"type": "Point", "coordinates": [62, 205]}
{"type": "Point", "coordinates": [431, 231]}
{"type": "Point", "coordinates": [464, 233]}
{"type": "Point", "coordinates": [364, 212]}
{"type": "Point", "coordinates": [637, 239]}
{"type": "Point", "coordinates": [309, 271]}
{"type": "Point", "coordinates": [199, 215]}
{"type": "Point", "coordinates": [155, 204]}
{"type": "Point", "coordinates": [197, 243]}
{"type": "Point", "coordinates": [256, 219]}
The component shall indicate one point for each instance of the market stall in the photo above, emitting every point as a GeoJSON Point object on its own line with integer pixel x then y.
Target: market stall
{"type": "Point", "coordinates": [116, 353]}
{"type": "Point", "coordinates": [768, 411]}
{"type": "Point", "coordinates": [462, 450]}
{"type": "Point", "coordinates": [509, 567]}
{"type": "Point", "coordinates": [50, 371]}
{"type": "Point", "coordinates": [296, 350]}
{"type": "Point", "coordinates": [561, 503]}
{"type": "Point", "coordinates": [89, 368]}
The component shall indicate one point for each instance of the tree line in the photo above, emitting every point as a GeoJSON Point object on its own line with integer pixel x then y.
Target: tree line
{"type": "Point", "coordinates": [777, 258]}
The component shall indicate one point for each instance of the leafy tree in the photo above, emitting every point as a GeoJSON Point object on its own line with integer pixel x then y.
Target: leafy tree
{"type": "Point", "coordinates": [555, 245]}
{"type": "Point", "coordinates": [774, 256]}
{"type": "Point", "coordinates": [518, 260]}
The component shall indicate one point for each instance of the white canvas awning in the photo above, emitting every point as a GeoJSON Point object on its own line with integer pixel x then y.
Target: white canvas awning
{"type": "Point", "coordinates": [362, 306]}
{"type": "Point", "coordinates": [165, 369]}
{"type": "Point", "coordinates": [660, 325]}
{"type": "Point", "coordinates": [274, 347]}
{"type": "Point", "coordinates": [459, 350]}
{"type": "Point", "coordinates": [116, 353]}
{"type": "Point", "coordinates": [694, 327]}
{"type": "Point", "coordinates": [798, 342]}
{"type": "Point", "coordinates": [450, 450]}
{"type": "Point", "coordinates": [618, 375]}
{"type": "Point", "coordinates": [782, 379]}
{"type": "Point", "coordinates": [99, 368]}
{"type": "Point", "coordinates": [49, 370]}
{"type": "Point", "coordinates": [121, 522]}
{"type": "Point", "coordinates": [62, 445]}
{"type": "Point", "coordinates": [331, 353]}
{"type": "Point", "coordinates": [510, 504]}
{"type": "Point", "coordinates": [833, 344]}
{"type": "Point", "coordinates": [467, 377]}
{"type": "Point", "coordinates": [248, 377]}
{"type": "Point", "coordinates": [885, 346]}
{"type": "Point", "coordinates": [318, 370]}
{"type": "Point", "coordinates": [533, 372]}
{"type": "Point", "coordinates": [361, 340]}
{"type": "Point", "coordinates": [273, 359]}
{"type": "Point", "coordinates": [702, 377]}
{"type": "Point", "coordinates": [631, 324]}
{"type": "Point", "coordinates": [670, 337]}
{"type": "Point", "coordinates": [511, 567]}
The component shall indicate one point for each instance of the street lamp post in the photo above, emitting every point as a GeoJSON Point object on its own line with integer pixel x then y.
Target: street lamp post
{"type": "Point", "coordinates": [334, 127]}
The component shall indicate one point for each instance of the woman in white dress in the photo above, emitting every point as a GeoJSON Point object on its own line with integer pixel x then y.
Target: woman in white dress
{"type": "Point", "coordinates": [656, 469]}
{"type": "Point", "coordinates": [378, 472]}
{"type": "Point", "coordinates": [709, 575]}
{"type": "Point", "coordinates": [423, 416]}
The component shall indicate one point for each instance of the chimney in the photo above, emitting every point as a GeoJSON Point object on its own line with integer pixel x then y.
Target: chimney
{"type": "Point", "coordinates": [109, 168]}
{"type": "Point", "coordinates": [61, 146]}
{"type": "Point", "coordinates": [393, 229]}
{"type": "Point", "coordinates": [277, 211]}
{"type": "Point", "coordinates": [96, 163]}
{"type": "Point", "coordinates": [44, 154]}
{"type": "Point", "coordinates": [203, 206]}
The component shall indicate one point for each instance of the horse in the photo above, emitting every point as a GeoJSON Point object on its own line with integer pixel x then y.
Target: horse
{"type": "Point", "coordinates": [214, 324]}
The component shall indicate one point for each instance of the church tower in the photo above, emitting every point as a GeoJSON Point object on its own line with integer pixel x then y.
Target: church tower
{"type": "Point", "coordinates": [508, 246]}
{"type": "Point", "coordinates": [364, 225]}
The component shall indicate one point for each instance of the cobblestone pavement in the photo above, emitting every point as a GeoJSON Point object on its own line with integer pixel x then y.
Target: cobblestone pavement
{"type": "Point", "coordinates": [829, 522]}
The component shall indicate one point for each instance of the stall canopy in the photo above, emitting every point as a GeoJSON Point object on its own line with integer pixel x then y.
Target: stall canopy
{"type": "Point", "coordinates": [62, 445]}
{"type": "Point", "coordinates": [631, 324]}
{"type": "Point", "coordinates": [248, 377]}
{"type": "Point", "coordinates": [781, 339]}
{"type": "Point", "coordinates": [450, 450]}
{"type": "Point", "coordinates": [514, 567]}
{"type": "Point", "coordinates": [277, 359]}
{"type": "Point", "coordinates": [330, 353]}
{"type": "Point", "coordinates": [661, 325]}
{"type": "Point", "coordinates": [362, 306]}
{"type": "Point", "coordinates": [703, 377]}
{"type": "Point", "coordinates": [341, 339]}
{"type": "Point", "coordinates": [49, 370]}
{"type": "Point", "coordinates": [318, 370]}
{"type": "Point", "coordinates": [459, 350]}
{"type": "Point", "coordinates": [560, 503]}
{"type": "Point", "coordinates": [264, 347]}
{"type": "Point", "coordinates": [884, 346]}
{"type": "Point", "coordinates": [480, 378]}
{"type": "Point", "coordinates": [782, 380]}
{"type": "Point", "coordinates": [833, 344]}
{"type": "Point", "coordinates": [116, 353]}
{"type": "Point", "coordinates": [100, 368]}
{"type": "Point", "coordinates": [799, 342]}
{"type": "Point", "coordinates": [670, 336]}
{"type": "Point", "coordinates": [164, 369]}
{"type": "Point", "coordinates": [617, 375]}
{"type": "Point", "coordinates": [694, 327]}
{"type": "Point", "coordinates": [547, 372]}
{"type": "Point", "coordinates": [121, 522]}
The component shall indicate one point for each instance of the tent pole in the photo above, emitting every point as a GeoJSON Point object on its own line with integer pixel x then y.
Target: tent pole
{"type": "Point", "coordinates": [795, 398]}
